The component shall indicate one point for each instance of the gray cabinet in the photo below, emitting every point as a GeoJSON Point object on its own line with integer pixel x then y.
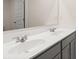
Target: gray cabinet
{"type": "Point", "coordinates": [69, 52]}
{"type": "Point", "coordinates": [65, 49]}
{"type": "Point", "coordinates": [73, 49]}
{"type": "Point", "coordinates": [68, 39]}
{"type": "Point", "coordinates": [57, 57]}
{"type": "Point", "coordinates": [69, 47]}
{"type": "Point", "coordinates": [66, 52]}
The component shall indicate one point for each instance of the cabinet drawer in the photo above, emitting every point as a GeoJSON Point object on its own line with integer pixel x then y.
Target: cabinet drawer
{"type": "Point", "coordinates": [68, 39]}
{"type": "Point", "coordinates": [50, 53]}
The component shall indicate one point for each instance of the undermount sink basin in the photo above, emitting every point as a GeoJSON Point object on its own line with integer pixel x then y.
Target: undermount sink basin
{"type": "Point", "coordinates": [26, 46]}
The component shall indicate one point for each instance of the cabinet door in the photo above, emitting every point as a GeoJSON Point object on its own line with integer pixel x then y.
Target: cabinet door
{"type": "Point", "coordinates": [66, 52]}
{"type": "Point", "coordinates": [68, 40]}
{"type": "Point", "coordinates": [73, 49]}
{"type": "Point", "coordinates": [58, 56]}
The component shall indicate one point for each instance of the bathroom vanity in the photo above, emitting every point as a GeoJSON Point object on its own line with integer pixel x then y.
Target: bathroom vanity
{"type": "Point", "coordinates": [64, 49]}
{"type": "Point", "coordinates": [29, 29]}
{"type": "Point", "coordinates": [60, 44]}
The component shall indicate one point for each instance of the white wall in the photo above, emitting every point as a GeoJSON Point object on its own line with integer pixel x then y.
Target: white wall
{"type": "Point", "coordinates": [42, 12]}
{"type": "Point", "coordinates": [45, 12]}
{"type": "Point", "coordinates": [67, 13]}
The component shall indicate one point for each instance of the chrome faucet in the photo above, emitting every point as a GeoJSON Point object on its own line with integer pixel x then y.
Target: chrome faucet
{"type": "Point", "coordinates": [52, 29]}
{"type": "Point", "coordinates": [22, 39]}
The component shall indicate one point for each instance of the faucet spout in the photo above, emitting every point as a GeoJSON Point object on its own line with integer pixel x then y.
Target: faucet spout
{"type": "Point", "coordinates": [52, 29]}
{"type": "Point", "coordinates": [22, 39]}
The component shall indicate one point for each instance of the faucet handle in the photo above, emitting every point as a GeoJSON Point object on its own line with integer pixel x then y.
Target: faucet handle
{"type": "Point", "coordinates": [17, 39]}
{"type": "Point", "coordinates": [52, 29]}
{"type": "Point", "coordinates": [23, 38]}
{"type": "Point", "coordinates": [20, 39]}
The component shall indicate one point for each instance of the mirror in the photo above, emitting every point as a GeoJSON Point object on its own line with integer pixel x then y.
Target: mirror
{"type": "Point", "coordinates": [43, 12]}
{"type": "Point", "coordinates": [14, 14]}
{"type": "Point", "coordinates": [18, 14]}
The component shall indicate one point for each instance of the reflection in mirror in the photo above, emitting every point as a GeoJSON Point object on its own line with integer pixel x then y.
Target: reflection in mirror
{"type": "Point", "coordinates": [43, 12]}
{"type": "Point", "coordinates": [29, 13]}
{"type": "Point", "coordinates": [13, 14]}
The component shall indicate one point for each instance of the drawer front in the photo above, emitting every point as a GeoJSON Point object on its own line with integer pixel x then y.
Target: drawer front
{"type": "Point", "coordinates": [51, 52]}
{"type": "Point", "coordinates": [67, 40]}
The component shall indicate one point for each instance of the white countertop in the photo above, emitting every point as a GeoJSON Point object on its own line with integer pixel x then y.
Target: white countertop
{"type": "Point", "coordinates": [49, 37]}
